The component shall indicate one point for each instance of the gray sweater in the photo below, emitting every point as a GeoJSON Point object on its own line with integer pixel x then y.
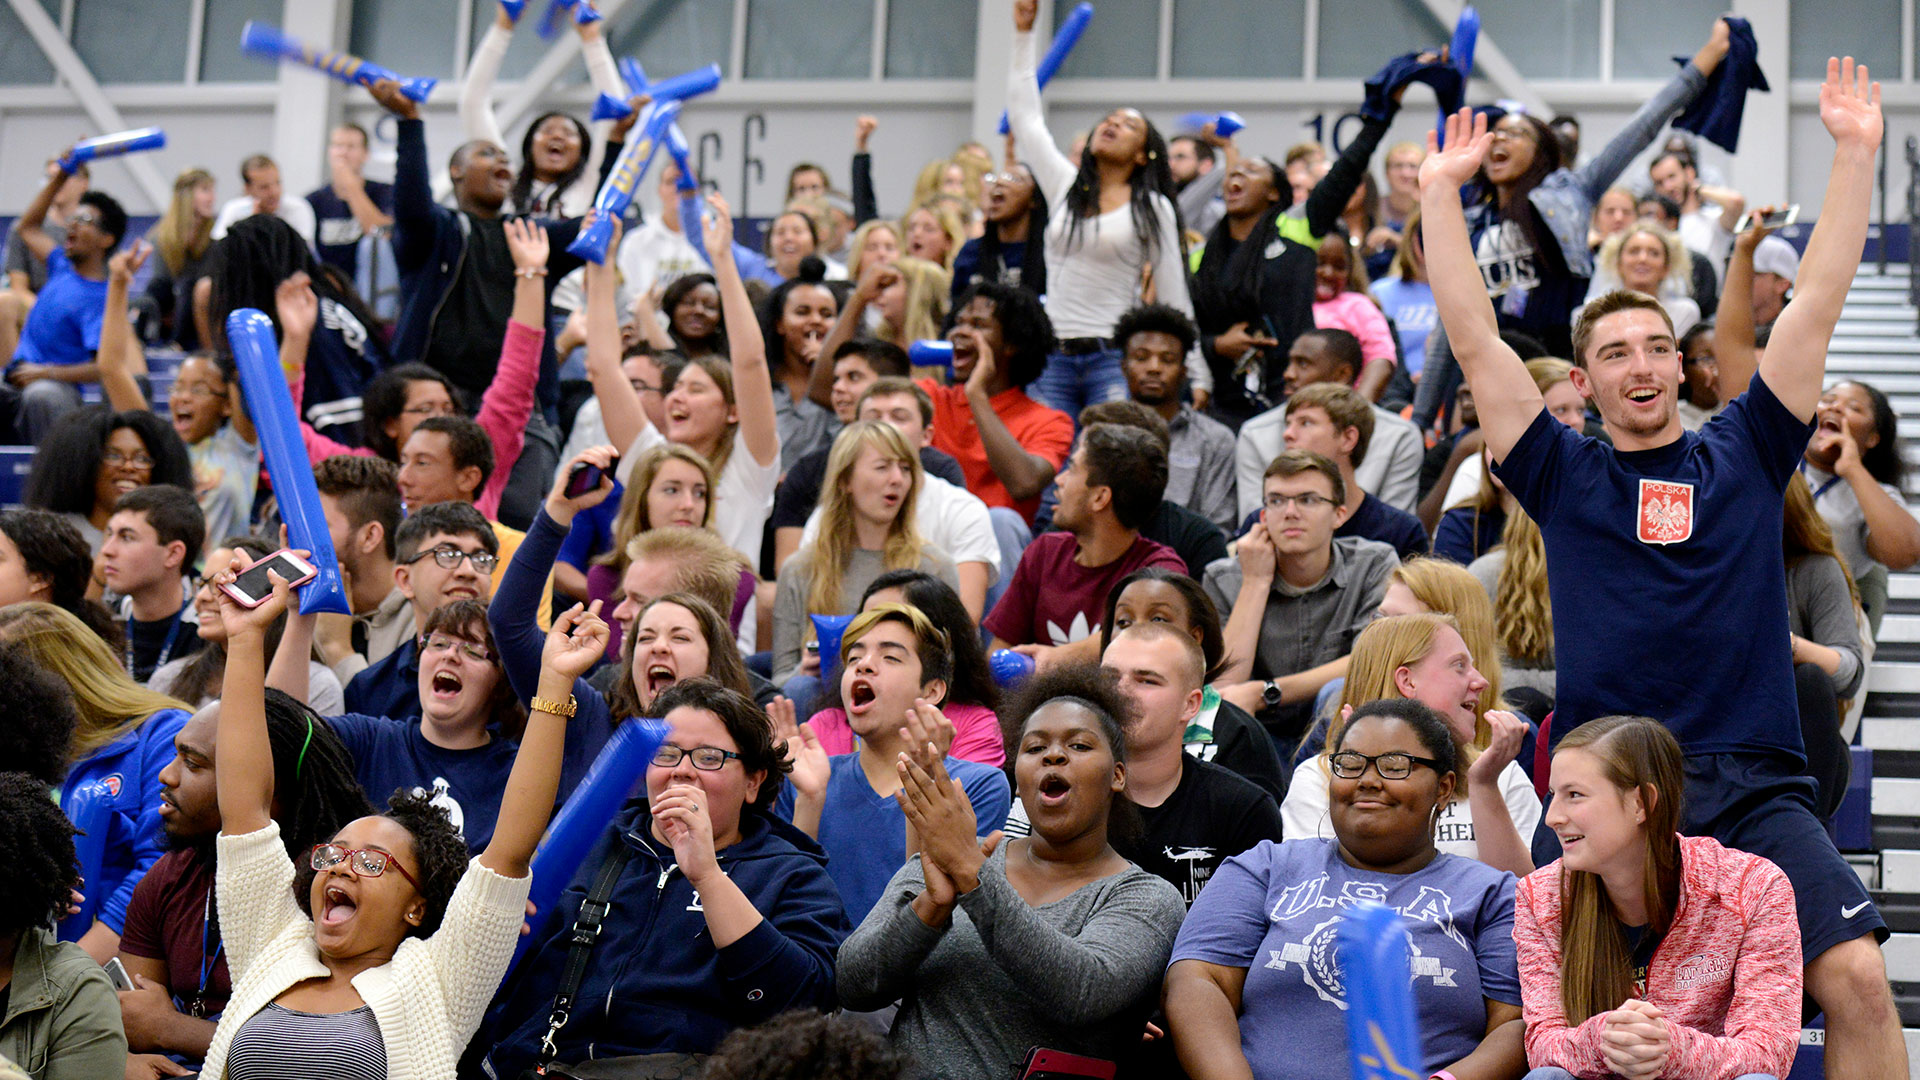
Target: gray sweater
{"type": "Point", "coordinates": [1820, 609]}
{"type": "Point", "coordinates": [1080, 974]}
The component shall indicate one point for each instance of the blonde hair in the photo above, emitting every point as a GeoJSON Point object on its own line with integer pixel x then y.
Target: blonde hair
{"type": "Point", "coordinates": [927, 185]}
{"type": "Point", "coordinates": [1410, 235]}
{"type": "Point", "coordinates": [1445, 586]}
{"type": "Point", "coordinates": [949, 223]}
{"type": "Point", "coordinates": [833, 548]}
{"type": "Point", "coordinates": [632, 519]}
{"type": "Point", "coordinates": [1382, 649]}
{"type": "Point", "coordinates": [857, 247]}
{"type": "Point", "coordinates": [182, 234]}
{"type": "Point", "coordinates": [1523, 609]}
{"type": "Point", "coordinates": [929, 289]}
{"type": "Point", "coordinates": [107, 700]}
{"type": "Point", "coordinates": [1679, 275]}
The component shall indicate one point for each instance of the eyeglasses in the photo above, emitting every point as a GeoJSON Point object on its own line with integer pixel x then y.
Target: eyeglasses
{"type": "Point", "coordinates": [438, 644]}
{"type": "Point", "coordinates": [445, 409]}
{"type": "Point", "coordinates": [705, 758]}
{"type": "Point", "coordinates": [84, 218]}
{"type": "Point", "coordinates": [645, 388]}
{"type": "Point", "coordinates": [448, 558]}
{"type": "Point", "coordinates": [1309, 500]}
{"type": "Point", "coordinates": [1352, 764]}
{"type": "Point", "coordinates": [139, 459]}
{"type": "Point", "coordinates": [364, 862]}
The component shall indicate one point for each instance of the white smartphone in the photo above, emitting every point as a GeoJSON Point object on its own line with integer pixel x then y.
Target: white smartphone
{"type": "Point", "coordinates": [252, 588]}
{"type": "Point", "coordinates": [117, 974]}
{"type": "Point", "coordinates": [1775, 220]}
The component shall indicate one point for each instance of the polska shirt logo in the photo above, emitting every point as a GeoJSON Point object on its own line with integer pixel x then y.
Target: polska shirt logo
{"type": "Point", "coordinates": [1666, 512]}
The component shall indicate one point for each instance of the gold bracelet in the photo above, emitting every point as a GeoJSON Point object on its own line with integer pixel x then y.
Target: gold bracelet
{"type": "Point", "coordinates": [562, 710]}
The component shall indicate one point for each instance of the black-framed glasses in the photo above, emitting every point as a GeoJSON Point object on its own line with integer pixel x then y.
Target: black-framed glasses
{"type": "Point", "coordinates": [364, 862]}
{"type": "Point", "coordinates": [705, 758]}
{"type": "Point", "coordinates": [1394, 765]}
{"type": "Point", "coordinates": [1306, 500]}
{"type": "Point", "coordinates": [448, 558]}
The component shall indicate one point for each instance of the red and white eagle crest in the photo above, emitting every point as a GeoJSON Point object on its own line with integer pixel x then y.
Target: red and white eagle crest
{"type": "Point", "coordinates": [1666, 512]}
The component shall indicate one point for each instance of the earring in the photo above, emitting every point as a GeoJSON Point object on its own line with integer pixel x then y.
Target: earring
{"type": "Point", "coordinates": [413, 918]}
{"type": "Point", "coordinates": [1433, 819]}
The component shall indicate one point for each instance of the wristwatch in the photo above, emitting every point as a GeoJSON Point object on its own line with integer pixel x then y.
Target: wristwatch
{"type": "Point", "coordinates": [1270, 694]}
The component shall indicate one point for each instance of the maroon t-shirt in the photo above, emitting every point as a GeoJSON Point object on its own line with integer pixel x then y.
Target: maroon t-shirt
{"type": "Point", "coordinates": [170, 920]}
{"type": "Point", "coordinates": [1053, 600]}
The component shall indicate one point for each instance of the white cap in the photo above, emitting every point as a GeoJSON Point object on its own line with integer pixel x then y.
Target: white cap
{"type": "Point", "coordinates": [1776, 256]}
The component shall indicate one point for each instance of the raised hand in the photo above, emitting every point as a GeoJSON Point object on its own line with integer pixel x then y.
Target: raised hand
{"type": "Point", "coordinates": [1508, 732]}
{"type": "Point", "coordinates": [943, 818]}
{"type": "Point", "coordinates": [1756, 232]}
{"type": "Point", "coordinates": [1850, 104]}
{"type": "Point", "coordinates": [1024, 12]}
{"type": "Point", "coordinates": [623, 125]}
{"type": "Point", "coordinates": [241, 620]}
{"type": "Point", "coordinates": [578, 639]}
{"type": "Point", "coordinates": [812, 768]}
{"type": "Point", "coordinates": [127, 262]}
{"type": "Point", "coordinates": [528, 244]}
{"type": "Point", "coordinates": [297, 306]}
{"type": "Point", "coordinates": [387, 93]}
{"type": "Point", "coordinates": [717, 228]}
{"type": "Point", "coordinates": [561, 508]}
{"type": "Point", "coordinates": [1467, 143]}
{"type": "Point", "coordinates": [862, 131]}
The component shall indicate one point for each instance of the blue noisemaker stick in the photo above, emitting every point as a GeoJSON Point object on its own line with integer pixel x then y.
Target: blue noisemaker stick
{"type": "Point", "coordinates": [114, 145]}
{"type": "Point", "coordinates": [830, 629]}
{"type": "Point", "coordinates": [1064, 39]}
{"type": "Point", "coordinates": [257, 355]}
{"type": "Point", "coordinates": [1466, 34]}
{"type": "Point", "coordinates": [596, 232]}
{"type": "Point", "coordinates": [1009, 668]}
{"type": "Point", "coordinates": [267, 42]}
{"type": "Point", "coordinates": [678, 88]}
{"type": "Point", "coordinates": [620, 767]}
{"type": "Point", "coordinates": [1225, 124]}
{"type": "Point", "coordinates": [1382, 1036]}
{"type": "Point", "coordinates": [932, 352]}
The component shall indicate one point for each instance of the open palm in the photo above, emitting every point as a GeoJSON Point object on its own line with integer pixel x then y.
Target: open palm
{"type": "Point", "coordinates": [1467, 142]}
{"type": "Point", "coordinates": [1850, 104]}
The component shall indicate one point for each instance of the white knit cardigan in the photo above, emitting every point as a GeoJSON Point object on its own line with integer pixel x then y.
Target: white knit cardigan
{"type": "Point", "coordinates": [427, 1001]}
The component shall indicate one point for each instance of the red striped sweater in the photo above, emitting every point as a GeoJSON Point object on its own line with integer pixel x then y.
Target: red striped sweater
{"type": "Point", "coordinates": [1727, 975]}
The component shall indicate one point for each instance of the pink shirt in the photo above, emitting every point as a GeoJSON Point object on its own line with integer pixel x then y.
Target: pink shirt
{"type": "Point", "coordinates": [1357, 314]}
{"type": "Point", "coordinates": [976, 733]}
{"type": "Point", "coordinates": [504, 411]}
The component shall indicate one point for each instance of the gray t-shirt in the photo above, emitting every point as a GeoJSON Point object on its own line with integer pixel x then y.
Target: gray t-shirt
{"type": "Point", "coordinates": [1837, 503]}
{"type": "Point", "coordinates": [19, 259]}
{"type": "Point", "coordinates": [1080, 974]}
{"type": "Point", "coordinates": [791, 627]}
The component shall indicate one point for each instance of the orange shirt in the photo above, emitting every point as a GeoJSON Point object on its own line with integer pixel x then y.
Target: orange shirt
{"type": "Point", "coordinates": [1041, 430]}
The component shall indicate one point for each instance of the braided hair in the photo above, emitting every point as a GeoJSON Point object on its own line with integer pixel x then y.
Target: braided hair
{"type": "Point", "coordinates": [36, 844]}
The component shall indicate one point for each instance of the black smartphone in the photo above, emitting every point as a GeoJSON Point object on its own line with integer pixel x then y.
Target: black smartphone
{"type": "Point", "coordinates": [585, 477]}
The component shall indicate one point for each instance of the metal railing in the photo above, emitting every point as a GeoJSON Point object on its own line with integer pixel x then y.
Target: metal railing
{"type": "Point", "coordinates": [1913, 223]}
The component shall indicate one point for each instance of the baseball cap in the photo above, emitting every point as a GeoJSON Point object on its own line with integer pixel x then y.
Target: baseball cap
{"type": "Point", "coordinates": [1776, 256]}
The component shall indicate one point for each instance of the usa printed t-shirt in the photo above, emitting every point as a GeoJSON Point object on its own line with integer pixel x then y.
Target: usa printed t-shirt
{"type": "Point", "coordinates": [1672, 560]}
{"type": "Point", "coordinates": [1275, 910]}
{"type": "Point", "coordinates": [392, 755]}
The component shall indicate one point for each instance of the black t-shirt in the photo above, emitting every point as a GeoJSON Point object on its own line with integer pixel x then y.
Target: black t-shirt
{"type": "Point", "coordinates": [1376, 520]}
{"type": "Point", "coordinates": [800, 492]}
{"type": "Point", "coordinates": [1243, 747]}
{"type": "Point", "coordinates": [337, 232]}
{"type": "Point", "coordinates": [1211, 816]}
{"type": "Point", "coordinates": [148, 644]}
{"type": "Point", "coordinates": [1191, 536]}
{"type": "Point", "coordinates": [472, 322]}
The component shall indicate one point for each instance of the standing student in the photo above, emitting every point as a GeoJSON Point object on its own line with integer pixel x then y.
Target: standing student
{"type": "Point", "coordinates": [1664, 533]}
{"type": "Point", "coordinates": [183, 238]}
{"type": "Point", "coordinates": [1643, 952]}
{"type": "Point", "coordinates": [264, 196]}
{"type": "Point", "coordinates": [349, 206]}
{"type": "Point", "coordinates": [1013, 247]}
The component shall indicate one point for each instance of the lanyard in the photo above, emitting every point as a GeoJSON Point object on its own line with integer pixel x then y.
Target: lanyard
{"type": "Point", "coordinates": [166, 647]}
{"type": "Point", "coordinates": [208, 961]}
{"type": "Point", "coordinates": [1823, 488]}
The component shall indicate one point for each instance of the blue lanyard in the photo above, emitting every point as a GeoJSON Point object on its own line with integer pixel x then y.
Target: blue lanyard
{"type": "Point", "coordinates": [166, 647]}
{"type": "Point", "coordinates": [1823, 488]}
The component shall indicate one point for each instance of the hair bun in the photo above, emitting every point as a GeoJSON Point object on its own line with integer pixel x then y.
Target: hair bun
{"type": "Point", "coordinates": [813, 270]}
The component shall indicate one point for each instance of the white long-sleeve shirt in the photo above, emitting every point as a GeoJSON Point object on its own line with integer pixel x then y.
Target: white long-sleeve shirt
{"type": "Point", "coordinates": [1093, 282]}
{"type": "Point", "coordinates": [479, 122]}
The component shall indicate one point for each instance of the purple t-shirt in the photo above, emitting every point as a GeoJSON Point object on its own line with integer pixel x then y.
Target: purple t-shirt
{"type": "Point", "coordinates": [1274, 910]}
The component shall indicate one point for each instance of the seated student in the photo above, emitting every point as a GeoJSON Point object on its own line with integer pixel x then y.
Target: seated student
{"type": "Point", "coordinates": [43, 557]}
{"type": "Point", "coordinates": [1494, 810]}
{"type": "Point", "coordinates": [172, 946]}
{"type": "Point", "coordinates": [1250, 991]}
{"type": "Point", "coordinates": [448, 459]}
{"type": "Point", "coordinates": [26, 273]}
{"type": "Point", "coordinates": [1154, 341]}
{"type": "Point", "coordinates": [61, 1022]}
{"type": "Point", "coordinates": [196, 679]}
{"type": "Point", "coordinates": [1828, 626]}
{"type": "Point", "coordinates": [1391, 471]}
{"type": "Point", "coordinates": [795, 319]}
{"type": "Point", "coordinates": [857, 364]}
{"type": "Point", "coordinates": [360, 498]}
{"type": "Point", "coordinates": [121, 744]}
{"type": "Point", "coordinates": [460, 752]}
{"type": "Point", "coordinates": [1854, 467]}
{"type": "Point", "coordinates": [1466, 483]}
{"type": "Point", "coordinates": [1643, 952]}
{"type": "Point", "coordinates": [1196, 539]}
{"type": "Point", "coordinates": [1700, 399]}
{"type": "Point", "coordinates": [95, 455]}
{"type": "Point", "coordinates": [1221, 732]}
{"type": "Point", "coordinates": [444, 552]}
{"type": "Point", "coordinates": [1009, 445]}
{"type": "Point", "coordinates": [894, 670]}
{"type": "Point", "coordinates": [1109, 489]}
{"type": "Point", "coordinates": [61, 334]}
{"type": "Point", "coordinates": [867, 527]}
{"type": "Point", "coordinates": [972, 697]}
{"type": "Point", "coordinates": [152, 544]}
{"type": "Point", "coordinates": [1051, 940]}
{"type": "Point", "coordinates": [335, 960]}
{"type": "Point", "coordinates": [689, 950]}
{"type": "Point", "coordinates": [1471, 529]}
{"type": "Point", "coordinates": [1335, 422]}
{"type": "Point", "coordinates": [1297, 595]}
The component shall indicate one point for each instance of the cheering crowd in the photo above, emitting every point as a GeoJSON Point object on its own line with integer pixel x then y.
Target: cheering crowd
{"type": "Point", "coordinates": [1277, 539]}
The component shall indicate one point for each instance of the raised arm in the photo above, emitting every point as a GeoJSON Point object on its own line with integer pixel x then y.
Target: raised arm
{"type": "Point", "coordinates": [117, 344]}
{"type": "Point", "coordinates": [752, 381]}
{"type": "Point", "coordinates": [508, 402]}
{"type": "Point", "coordinates": [1796, 361]}
{"type": "Point", "coordinates": [31, 228]}
{"type": "Point", "coordinates": [620, 407]}
{"type": "Point", "coordinates": [476, 93]}
{"type": "Point", "coordinates": [245, 787]}
{"type": "Point", "coordinates": [511, 614]}
{"type": "Point", "coordinates": [866, 206]}
{"type": "Point", "coordinates": [1052, 172]}
{"type": "Point", "coordinates": [873, 280]}
{"type": "Point", "coordinates": [1507, 397]}
{"type": "Point", "coordinates": [1733, 348]}
{"type": "Point", "coordinates": [413, 205]}
{"type": "Point", "coordinates": [1597, 175]}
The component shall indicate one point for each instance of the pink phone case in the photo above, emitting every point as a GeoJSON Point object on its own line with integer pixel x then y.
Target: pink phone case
{"type": "Point", "coordinates": [246, 601]}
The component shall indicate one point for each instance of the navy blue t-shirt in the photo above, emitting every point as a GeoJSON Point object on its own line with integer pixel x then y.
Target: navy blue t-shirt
{"type": "Point", "coordinates": [1465, 533]}
{"type": "Point", "coordinates": [391, 755]}
{"type": "Point", "coordinates": [337, 232]}
{"type": "Point", "coordinates": [390, 686]}
{"type": "Point", "coordinates": [1665, 567]}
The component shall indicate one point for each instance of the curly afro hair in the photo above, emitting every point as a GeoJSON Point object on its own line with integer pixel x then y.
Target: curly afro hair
{"type": "Point", "coordinates": [36, 847]}
{"type": "Point", "coordinates": [804, 1045]}
{"type": "Point", "coordinates": [38, 733]}
{"type": "Point", "coordinates": [437, 847]}
{"type": "Point", "coordinates": [1091, 686]}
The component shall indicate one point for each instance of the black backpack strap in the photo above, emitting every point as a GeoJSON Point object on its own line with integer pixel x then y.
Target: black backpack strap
{"type": "Point", "coordinates": [585, 933]}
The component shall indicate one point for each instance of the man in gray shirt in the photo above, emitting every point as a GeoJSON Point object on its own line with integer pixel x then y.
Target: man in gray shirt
{"type": "Point", "coordinates": [1154, 340]}
{"type": "Point", "coordinates": [1297, 595]}
{"type": "Point", "coordinates": [27, 272]}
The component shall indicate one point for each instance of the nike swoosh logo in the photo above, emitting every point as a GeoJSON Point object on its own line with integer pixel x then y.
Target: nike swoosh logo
{"type": "Point", "coordinates": [1850, 912]}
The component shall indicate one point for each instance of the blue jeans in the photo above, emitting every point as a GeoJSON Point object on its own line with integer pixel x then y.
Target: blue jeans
{"type": "Point", "coordinates": [1071, 383]}
{"type": "Point", "coordinates": [1549, 1072]}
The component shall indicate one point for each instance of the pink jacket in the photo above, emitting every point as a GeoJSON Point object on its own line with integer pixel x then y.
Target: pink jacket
{"type": "Point", "coordinates": [504, 411]}
{"type": "Point", "coordinates": [976, 733]}
{"type": "Point", "coordinates": [1357, 314]}
{"type": "Point", "coordinates": [1727, 975]}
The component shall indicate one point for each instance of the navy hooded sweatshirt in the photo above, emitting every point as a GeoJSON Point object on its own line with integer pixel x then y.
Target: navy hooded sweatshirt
{"type": "Point", "coordinates": [655, 984]}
